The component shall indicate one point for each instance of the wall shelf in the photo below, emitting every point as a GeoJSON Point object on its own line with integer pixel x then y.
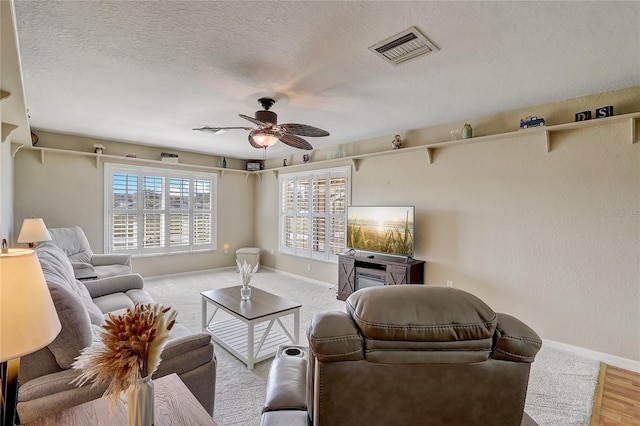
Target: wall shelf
{"type": "Point", "coordinates": [105, 157]}
{"type": "Point", "coordinates": [543, 132]}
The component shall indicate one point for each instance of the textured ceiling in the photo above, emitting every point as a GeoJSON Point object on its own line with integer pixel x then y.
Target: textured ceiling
{"type": "Point", "coordinates": [149, 72]}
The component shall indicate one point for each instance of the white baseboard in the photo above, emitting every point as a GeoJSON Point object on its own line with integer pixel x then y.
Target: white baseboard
{"type": "Point", "coordinates": [616, 361]}
{"type": "Point", "coordinates": [182, 274]}
{"type": "Point", "coordinates": [322, 283]}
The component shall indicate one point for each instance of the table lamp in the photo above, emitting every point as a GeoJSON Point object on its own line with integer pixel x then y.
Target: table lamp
{"type": "Point", "coordinates": [33, 231]}
{"type": "Point", "coordinates": [28, 319]}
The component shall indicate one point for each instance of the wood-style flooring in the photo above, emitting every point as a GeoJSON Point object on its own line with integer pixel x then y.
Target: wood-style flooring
{"type": "Point", "coordinates": [617, 398]}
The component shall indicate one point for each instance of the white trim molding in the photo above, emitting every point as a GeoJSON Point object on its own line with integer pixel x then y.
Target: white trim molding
{"type": "Point", "coordinates": [614, 360]}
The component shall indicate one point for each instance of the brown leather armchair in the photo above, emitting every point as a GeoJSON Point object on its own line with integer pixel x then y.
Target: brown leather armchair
{"type": "Point", "coordinates": [404, 355]}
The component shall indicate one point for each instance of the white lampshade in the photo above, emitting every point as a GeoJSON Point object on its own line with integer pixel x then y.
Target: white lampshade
{"type": "Point", "coordinates": [28, 318]}
{"type": "Point", "coordinates": [33, 231]}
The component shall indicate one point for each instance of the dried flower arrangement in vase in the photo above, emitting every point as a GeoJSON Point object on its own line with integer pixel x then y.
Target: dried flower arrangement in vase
{"type": "Point", "coordinates": [125, 354]}
{"type": "Point", "coordinates": [245, 274]}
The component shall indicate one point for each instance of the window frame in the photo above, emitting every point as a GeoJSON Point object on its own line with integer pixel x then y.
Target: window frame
{"type": "Point", "coordinates": [310, 213]}
{"type": "Point", "coordinates": [166, 210]}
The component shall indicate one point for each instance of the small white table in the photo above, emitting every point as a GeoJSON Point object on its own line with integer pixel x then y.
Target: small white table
{"type": "Point", "coordinates": [249, 335]}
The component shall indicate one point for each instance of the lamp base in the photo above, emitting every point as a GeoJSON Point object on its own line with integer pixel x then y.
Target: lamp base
{"type": "Point", "coordinates": [9, 379]}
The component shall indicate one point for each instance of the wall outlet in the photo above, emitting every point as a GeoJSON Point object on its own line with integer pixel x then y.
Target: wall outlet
{"type": "Point", "coordinates": [449, 283]}
{"type": "Point", "coordinates": [308, 267]}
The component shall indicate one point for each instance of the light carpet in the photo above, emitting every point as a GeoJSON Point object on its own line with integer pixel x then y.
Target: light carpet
{"type": "Point", "coordinates": [561, 385]}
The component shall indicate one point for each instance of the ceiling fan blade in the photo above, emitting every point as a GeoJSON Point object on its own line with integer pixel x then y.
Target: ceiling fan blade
{"type": "Point", "coordinates": [304, 130]}
{"type": "Point", "coordinates": [295, 141]}
{"type": "Point", "coordinates": [254, 121]}
{"type": "Point", "coordinates": [219, 130]}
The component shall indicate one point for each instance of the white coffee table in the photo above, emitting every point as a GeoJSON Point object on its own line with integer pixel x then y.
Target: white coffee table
{"type": "Point", "coordinates": [249, 335]}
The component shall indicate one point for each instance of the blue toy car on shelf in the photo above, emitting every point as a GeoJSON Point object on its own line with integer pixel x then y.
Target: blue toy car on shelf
{"type": "Point", "coordinates": [531, 121]}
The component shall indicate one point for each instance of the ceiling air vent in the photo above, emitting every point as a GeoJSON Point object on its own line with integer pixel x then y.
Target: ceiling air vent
{"type": "Point", "coordinates": [403, 46]}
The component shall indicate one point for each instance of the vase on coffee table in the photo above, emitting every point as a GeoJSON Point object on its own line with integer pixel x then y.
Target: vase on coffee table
{"type": "Point", "coordinates": [245, 275]}
{"type": "Point", "coordinates": [245, 292]}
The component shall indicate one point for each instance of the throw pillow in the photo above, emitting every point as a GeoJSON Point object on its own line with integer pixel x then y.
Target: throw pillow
{"type": "Point", "coordinates": [57, 269]}
{"type": "Point", "coordinates": [76, 332]}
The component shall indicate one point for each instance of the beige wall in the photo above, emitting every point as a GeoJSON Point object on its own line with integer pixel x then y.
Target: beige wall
{"type": "Point", "coordinates": [6, 192]}
{"type": "Point", "coordinates": [552, 238]}
{"type": "Point", "coordinates": [68, 190]}
{"type": "Point", "coordinates": [12, 113]}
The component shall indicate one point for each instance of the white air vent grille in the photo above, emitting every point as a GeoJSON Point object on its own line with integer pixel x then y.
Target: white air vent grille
{"type": "Point", "coordinates": [403, 46]}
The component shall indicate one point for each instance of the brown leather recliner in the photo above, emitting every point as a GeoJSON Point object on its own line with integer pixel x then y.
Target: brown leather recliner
{"type": "Point", "coordinates": [406, 355]}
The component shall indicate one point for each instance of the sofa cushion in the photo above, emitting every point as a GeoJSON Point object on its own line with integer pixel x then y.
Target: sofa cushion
{"type": "Point", "coordinates": [411, 324]}
{"type": "Point", "coordinates": [76, 333]}
{"type": "Point", "coordinates": [57, 269]}
{"type": "Point", "coordinates": [74, 243]}
{"type": "Point", "coordinates": [286, 385]}
{"type": "Point", "coordinates": [117, 303]}
{"type": "Point", "coordinates": [515, 341]}
{"type": "Point", "coordinates": [418, 313]}
{"type": "Point", "coordinates": [185, 351]}
{"type": "Point", "coordinates": [111, 270]}
{"type": "Point", "coordinates": [333, 336]}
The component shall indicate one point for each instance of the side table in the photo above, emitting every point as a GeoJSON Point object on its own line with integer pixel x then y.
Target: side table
{"type": "Point", "coordinates": [174, 405]}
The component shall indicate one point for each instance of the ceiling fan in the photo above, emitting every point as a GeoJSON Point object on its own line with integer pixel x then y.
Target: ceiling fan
{"type": "Point", "coordinates": [267, 130]}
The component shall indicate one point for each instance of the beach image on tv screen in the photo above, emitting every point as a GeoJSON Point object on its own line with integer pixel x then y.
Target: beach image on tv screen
{"type": "Point", "coordinates": [382, 229]}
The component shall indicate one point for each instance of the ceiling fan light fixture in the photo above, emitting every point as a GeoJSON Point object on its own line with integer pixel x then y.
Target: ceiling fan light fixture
{"type": "Point", "coordinates": [265, 137]}
{"type": "Point", "coordinates": [268, 132]}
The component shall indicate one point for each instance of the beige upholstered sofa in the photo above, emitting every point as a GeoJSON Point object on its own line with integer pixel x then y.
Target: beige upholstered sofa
{"type": "Point", "coordinates": [74, 243]}
{"type": "Point", "coordinates": [46, 375]}
{"type": "Point", "coordinates": [406, 355]}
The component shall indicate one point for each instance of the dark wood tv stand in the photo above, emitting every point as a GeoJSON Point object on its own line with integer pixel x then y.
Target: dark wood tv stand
{"type": "Point", "coordinates": [394, 270]}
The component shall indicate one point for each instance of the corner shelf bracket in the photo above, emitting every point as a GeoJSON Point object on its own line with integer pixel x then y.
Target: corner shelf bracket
{"type": "Point", "coordinates": [430, 154]}
{"type": "Point", "coordinates": [356, 164]}
{"type": "Point", "coordinates": [15, 147]}
{"type": "Point", "coordinates": [7, 128]}
{"type": "Point", "coordinates": [275, 173]}
{"type": "Point", "coordinates": [247, 174]}
{"type": "Point", "coordinates": [547, 137]}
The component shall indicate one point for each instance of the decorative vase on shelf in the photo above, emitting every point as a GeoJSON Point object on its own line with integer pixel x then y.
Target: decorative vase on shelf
{"type": "Point", "coordinates": [140, 402]}
{"type": "Point", "coordinates": [467, 132]}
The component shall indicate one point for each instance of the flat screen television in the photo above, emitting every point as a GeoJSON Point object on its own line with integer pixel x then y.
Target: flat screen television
{"type": "Point", "coordinates": [381, 229]}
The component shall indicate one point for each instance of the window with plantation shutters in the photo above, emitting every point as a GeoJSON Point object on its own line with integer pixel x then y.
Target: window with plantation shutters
{"type": "Point", "coordinates": [156, 211]}
{"type": "Point", "coordinates": [312, 213]}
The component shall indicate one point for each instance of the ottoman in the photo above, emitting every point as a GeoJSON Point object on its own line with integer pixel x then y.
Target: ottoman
{"type": "Point", "coordinates": [250, 254]}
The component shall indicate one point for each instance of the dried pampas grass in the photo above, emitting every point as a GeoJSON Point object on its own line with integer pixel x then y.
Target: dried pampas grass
{"type": "Point", "coordinates": [128, 348]}
{"type": "Point", "coordinates": [246, 272]}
